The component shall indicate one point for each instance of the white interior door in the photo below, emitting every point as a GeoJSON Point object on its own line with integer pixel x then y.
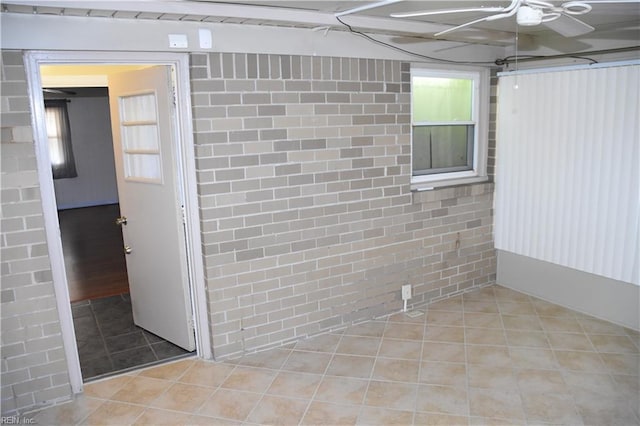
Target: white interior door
{"type": "Point", "coordinates": [143, 123]}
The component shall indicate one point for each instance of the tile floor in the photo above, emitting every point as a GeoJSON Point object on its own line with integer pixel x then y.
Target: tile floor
{"type": "Point", "coordinates": [108, 340]}
{"type": "Point", "coordinates": [493, 356]}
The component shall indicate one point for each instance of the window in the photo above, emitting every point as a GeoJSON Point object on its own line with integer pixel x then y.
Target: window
{"type": "Point", "coordinates": [448, 126]}
{"type": "Point", "coordinates": [59, 135]}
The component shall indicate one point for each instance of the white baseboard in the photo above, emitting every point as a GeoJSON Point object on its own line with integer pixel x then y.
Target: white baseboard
{"type": "Point", "coordinates": [601, 297]}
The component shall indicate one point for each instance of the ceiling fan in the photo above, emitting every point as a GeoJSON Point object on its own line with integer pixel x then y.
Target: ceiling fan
{"type": "Point", "coordinates": [559, 18]}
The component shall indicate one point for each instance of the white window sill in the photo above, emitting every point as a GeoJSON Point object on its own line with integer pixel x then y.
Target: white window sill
{"type": "Point", "coordinates": [427, 185]}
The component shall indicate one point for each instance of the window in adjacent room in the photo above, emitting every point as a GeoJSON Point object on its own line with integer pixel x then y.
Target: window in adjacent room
{"type": "Point", "coordinates": [59, 135]}
{"type": "Point", "coordinates": [448, 118]}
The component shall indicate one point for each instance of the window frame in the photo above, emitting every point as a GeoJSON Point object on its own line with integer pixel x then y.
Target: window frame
{"type": "Point", "coordinates": [480, 119]}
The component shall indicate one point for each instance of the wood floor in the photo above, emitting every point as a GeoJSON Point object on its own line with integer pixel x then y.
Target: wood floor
{"type": "Point", "coordinates": [93, 252]}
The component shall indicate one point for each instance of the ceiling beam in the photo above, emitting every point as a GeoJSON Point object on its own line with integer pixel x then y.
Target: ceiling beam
{"type": "Point", "coordinates": [368, 24]}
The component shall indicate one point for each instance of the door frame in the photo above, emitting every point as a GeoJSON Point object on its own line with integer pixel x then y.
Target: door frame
{"type": "Point", "coordinates": [187, 186]}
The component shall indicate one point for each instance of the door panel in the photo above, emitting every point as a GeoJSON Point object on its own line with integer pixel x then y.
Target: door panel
{"type": "Point", "coordinates": [142, 116]}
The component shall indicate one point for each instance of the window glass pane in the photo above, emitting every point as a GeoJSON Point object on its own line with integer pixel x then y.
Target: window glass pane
{"type": "Point", "coordinates": [142, 167]}
{"type": "Point", "coordinates": [141, 137]}
{"type": "Point", "coordinates": [441, 99]}
{"type": "Point", "coordinates": [138, 107]}
{"type": "Point", "coordinates": [442, 147]}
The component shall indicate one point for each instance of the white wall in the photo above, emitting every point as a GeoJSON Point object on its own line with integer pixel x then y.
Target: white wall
{"type": "Point", "coordinates": [93, 151]}
{"type": "Point", "coordinates": [567, 203]}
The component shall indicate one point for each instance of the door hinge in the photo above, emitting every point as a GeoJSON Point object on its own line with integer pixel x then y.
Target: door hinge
{"type": "Point", "coordinates": [184, 215]}
{"type": "Point", "coordinates": [192, 326]}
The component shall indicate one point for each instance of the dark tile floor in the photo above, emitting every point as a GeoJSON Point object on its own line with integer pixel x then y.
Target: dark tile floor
{"type": "Point", "coordinates": [109, 341]}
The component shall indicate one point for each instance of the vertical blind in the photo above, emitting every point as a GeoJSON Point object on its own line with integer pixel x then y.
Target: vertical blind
{"type": "Point", "coordinates": [567, 179]}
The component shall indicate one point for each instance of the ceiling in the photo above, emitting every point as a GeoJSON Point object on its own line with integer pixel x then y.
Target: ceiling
{"type": "Point", "coordinates": [617, 22]}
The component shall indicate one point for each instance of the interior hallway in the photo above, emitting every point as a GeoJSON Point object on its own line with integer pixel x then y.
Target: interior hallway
{"type": "Point", "coordinates": [493, 356]}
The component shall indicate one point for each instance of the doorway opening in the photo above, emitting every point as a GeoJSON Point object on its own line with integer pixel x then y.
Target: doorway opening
{"type": "Point", "coordinates": [83, 247]}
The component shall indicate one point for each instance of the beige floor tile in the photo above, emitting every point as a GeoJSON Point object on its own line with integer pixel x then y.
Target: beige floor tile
{"type": "Point", "coordinates": [277, 410]}
{"type": "Point", "coordinates": [598, 326]}
{"type": "Point", "coordinates": [480, 320]}
{"type": "Point", "coordinates": [397, 396]}
{"type": "Point", "coordinates": [207, 373]}
{"type": "Point", "coordinates": [524, 338]}
{"type": "Point", "coordinates": [403, 349]}
{"type": "Point", "coordinates": [399, 370]}
{"type": "Point", "coordinates": [492, 403]}
{"type": "Point", "coordinates": [371, 416]}
{"type": "Point", "coordinates": [367, 329]}
{"type": "Point", "coordinates": [513, 308]}
{"type": "Point", "coordinates": [106, 388]}
{"type": "Point", "coordinates": [294, 384]}
{"type": "Point", "coordinates": [403, 317]}
{"type": "Point", "coordinates": [591, 383]}
{"type": "Point", "coordinates": [438, 333]}
{"type": "Point", "coordinates": [451, 304]}
{"type": "Point", "coordinates": [488, 355]}
{"type": "Point", "coordinates": [627, 364]}
{"type": "Point", "coordinates": [546, 309]}
{"type": "Point", "coordinates": [442, 399]}
{"type": "Point", "coordinates": [341, 390]}
{"type": "Point", "coordinates": [598, 409]}
{"type": "Point", "coordinates": [183, 397]}
{"type": "Point", "coordinates": [321, 343]}
{"type": "Point", "coordinates": [307, 362]}
{"type": "Point", "coordinates": [496, 357]}
{"type": "Point", "coordinates": [351, 366]}
{"type": "Point", "coordinates": [561, 324]}
{"type": "Point", "coordinates": [249, 379]}
{"type": "Point", "coordinates": [325, 413]}
{"type": "Point", "coordinates": [509, 295]}
{"type": "Point", "coordinates": [443, 373]}
{"type": "Point", "coordinates": [580, 361]}
{"type": "Point", "coordinates": [439, 419]}
{"type": "Point", "coordinates": [484, 336]}
{"type": "Point", "coordinates": [114, 413]}
{"type": "Point", "coordinates": [569, 341]}
{"type": "Point", "coordinates": [170, 371]}
{"type": "Point", "coordinates": [141, 390]}
{"type": "Point", "coordinates": [154, 416]}
{"type": "Point", "coordinates": [481, 306]}
{"type": "Point", "coordinates": [541, 381]}
{"type": "Point", "coordinates": [442, 351]}
{"type": "Point", "coordinates": [491, 377]}
{"type": "Point", "coordinates": [230, 404]}
{"type": "Point", "coordinates": [198, 420]}
{"type": "Point", "coordinates": [273, 358]}
{"type": "Point", "coordinates": [521, 322]}
{"type": "Point", "coordinates": [448, 318]}
{"type": "Point", "coordinates": [551, 408]}
{"type": "Point", "coordinates": [485, 293]}
{"type": "Point", "coordinates": [358, 345]}
{"type": "Point", "coordinates": [486, 421]}
{"type": "Point", "coordinates": [404, 331]}
{"type": "Point", "coordinates": [70, 413]}
{"type": "Point", "coordinates": [532, 358]}
{"type": "Point", "coordinates": [613, 344]}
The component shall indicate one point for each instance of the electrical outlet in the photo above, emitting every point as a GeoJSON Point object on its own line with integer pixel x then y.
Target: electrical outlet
{"type": "Point", "coordinates": [406, 292]}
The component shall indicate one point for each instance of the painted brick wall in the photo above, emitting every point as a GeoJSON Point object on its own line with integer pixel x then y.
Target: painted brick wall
{"type": "Point", "coordinates": [34, 369]}
{"type": "Point", "coordinates": [307, 216]}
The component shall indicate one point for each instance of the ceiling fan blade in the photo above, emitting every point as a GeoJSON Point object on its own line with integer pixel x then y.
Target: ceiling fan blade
{"type": "Point", "coordinates": [568, 26]}
{"type": "Point", "coordinates": [446, 11]}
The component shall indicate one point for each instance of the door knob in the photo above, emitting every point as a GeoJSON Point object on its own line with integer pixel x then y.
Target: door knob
{"type": "Point", "coordinates": [122, 220]}
{"type": "Point", "coordinates": [127, 250]}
